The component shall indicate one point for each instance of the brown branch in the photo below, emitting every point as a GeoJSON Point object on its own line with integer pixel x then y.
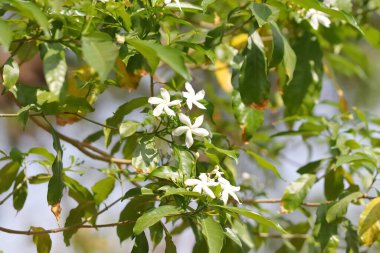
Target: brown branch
{"type": "Point", "coordinates": [59, 230]}
{"type": "Point", "coordinates": [84, 147]}
{"type": "Point", "coordinates": [308, 204]}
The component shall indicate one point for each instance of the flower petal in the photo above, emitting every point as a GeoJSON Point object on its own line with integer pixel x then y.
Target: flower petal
{"type": "Point", "coordinates": [190, 89]}
{"type": "Point", "coordinates": [158, 110]}
{"type": "Point", "coordinates": [203, 177]}
{"type": "Point", "coordinates": [165, 95]}
{"type": "Point", "coordinates": [191, 182]}
{"type": "Point", "coordinates": [198, 189]}
{"type": "Point", "coordinates": [180, 130]}
{"type": "Point", "coordinates": [155, 100]}
{"type": "Point", "coordinates": [201, 132]}
{"type": "Point", "coordinates": [199, 105]}
{"type": "Point", "coordinates": [198, 121]}
{"type": "Point", "coordinates": [189, 103]}
{"type": "Point", "coordinates": [184, 119]}
{"type": "Point", "coordinates": [200, 95]}
{"type": "Point", "coordinates": [232, 194]}
{"type": "Point", "coordinates": [169, 111]}
{"type": "Point", "coordinates": [224, 197]}
{"type": "Point", "coordinates": [208, 192]}
{"type": "Point", "coordinates": [174, 102]}
{"type": "Point", "coordinates": [189, 139]}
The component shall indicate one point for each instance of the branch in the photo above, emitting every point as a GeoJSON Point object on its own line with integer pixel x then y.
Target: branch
{"type": "Point", "coordinates": [59, 230]}
{"type": "Point", "coordinates": [85, 147]}
{"type": "Point", "coordinates": [308, 204]}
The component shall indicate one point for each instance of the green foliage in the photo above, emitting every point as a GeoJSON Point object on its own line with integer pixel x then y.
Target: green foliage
{"type": "Point", "coordinates": [180, 147]}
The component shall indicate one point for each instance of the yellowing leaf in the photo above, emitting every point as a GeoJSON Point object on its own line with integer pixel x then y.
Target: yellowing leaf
{"type": "Point", "coordinates": [126, 79]}
{"type": "Point", "coordinates": [223, 75]}
{"type": "Point", "coordinates": [239, 41]}
{"type": "Point", "coordinates": [369, 222]}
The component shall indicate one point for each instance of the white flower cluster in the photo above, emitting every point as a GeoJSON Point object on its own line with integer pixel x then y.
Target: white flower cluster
{"type": "Point", "coordinates": [163, 107]}
{"type": "Point", "coordinates": [203, 184]}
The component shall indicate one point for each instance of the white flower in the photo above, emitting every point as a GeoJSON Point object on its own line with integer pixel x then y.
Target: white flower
{"type": "Point", "coordinates": [329, 3]}
{"type": "Point", "coordinates": [317, 17]}
{"type": "Point", "coordinates": [192, 97]}
{"type": "Point", "coordinates": [163, 104]}
{"type": "Point", "coordinates": [228, 190]}
{"type": "Point", "coordinates": [167, 1]}
{"type": "Point", "coordinates": [217, 172]}
{"type": "Point", "coordinates": [190, 129]}
{"type": "Point", "coordinates": [202, 184]}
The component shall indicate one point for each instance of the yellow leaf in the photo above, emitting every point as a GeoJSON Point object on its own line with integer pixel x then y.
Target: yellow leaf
{"type": "Point", "coordinates": [223, 75]}
{"type": "Point", "coordinates": [369, 222]}
{"type": "Point", "coordinates": [126, 79]}
{"type": "Point", "coordinates": [56, 210]}
{"type": "Point", "coordinates": [239, 41]}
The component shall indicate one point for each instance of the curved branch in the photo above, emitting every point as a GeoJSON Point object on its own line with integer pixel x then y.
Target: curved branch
{"type": "Point", "coordinates": [85, 147]}
{"type": "Point", "coordinates": [59, 230]}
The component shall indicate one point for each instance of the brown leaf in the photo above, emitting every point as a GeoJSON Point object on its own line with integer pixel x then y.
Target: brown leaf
{"type": "Point", "coordinates": [56, 210]}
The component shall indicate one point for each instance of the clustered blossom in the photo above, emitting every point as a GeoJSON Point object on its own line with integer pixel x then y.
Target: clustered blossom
{"type": "Point", "coordinates": [204, 183]}
{"type": "Point", "coordinates": [162, 106]}
{"type": "Point", "coordinates": [317, 17]}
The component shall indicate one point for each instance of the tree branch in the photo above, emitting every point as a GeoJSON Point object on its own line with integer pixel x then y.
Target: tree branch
{"type": "Point", "coordinates": [84, 147]}
{"type": "Point", "coordinates": [59, 230]}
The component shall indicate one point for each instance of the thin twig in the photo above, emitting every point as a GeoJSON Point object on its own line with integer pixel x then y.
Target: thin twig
{"type": "Point", "coordinates": [59, 230]}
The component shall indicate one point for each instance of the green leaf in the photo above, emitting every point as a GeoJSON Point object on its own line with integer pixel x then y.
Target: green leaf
{"type": "Point", "coordinates": [213, 234]}
{"type": "Point", "coordinates": [185, 162]}
{"type": "Point", "coordinates": [141, 244]}
{"type": "Point", "coordinates": [55, 187]}
{"type": "Point", "coordinates": [74, 218]}
{"type": "Point", "coordinates": [42, 152]}
{"type": "Point", "coordinates": [282, 52]}
{"type": "Point", "coordinates": [254, 68]}
{"type": "Point", "coordinates": [214, 37]}
{"type": "Point", "coordinates": [170, 246]}
{"type": "Point", "coordinates": [139, 191]}
{"type": "Point", "coordinates": [303, 90]}
{"type": "Point", "coordinates": [128, 128]}
{"type": "Point", "coordinates": [6, 35]}
{"type": "Point", "coordinates": [324, 230]}
{"type": "Point", "coordinates": [352, 238]}
{"type": "Point", "coordinates": [165, 172]}
{"type": "Point", "coordinates": [130, 213]}
{"type": "Point", "coordinates": [32, 11]}
{"type": "Point", "coordinates": [156, 234]}
{"type": "Point", "coordinates": [254, 216]}
{"type": "Point", "coordinates": [11, 74]}
{"type": "Point", "coordinates": [42, 241]}
{"type": "Point", "coordinates": [180, 191]}
{"type": "Point", "coordinates": [182, 6]}
{"type": "Point", "coordinates": [100, 53]}
{"type": "Point", "coordinates": [368, 227]}
{"type": "Point", "coordinates": [102, 189]}
{"type": "Point", "coordinates": [296, 192]}
{"type": "Point", "coordinates": [77, 191]}
{"type": "Point", "coordinates": [230, 234]}
{"type": "Point", "coordinates": [20, 191]}
{"type": "Point", "coordinates": [339, 209]}
{"type": "Point", "coordinates": [154, 52]}
{"type": "Point", "coordinates": [39, 179]}
{"type": "Point", "coordinates": [264, 163]}
{"type": "Point", "coordinates": [55, 67]}
{"type": "Point", "coordinates": [262, 13]}
{"type": "Point", "coordinates": [334, 183]}
{"type": "Point", "coordinates": [357, 157]}
{"type": "Point", "coordinates": [250, 119]}
{"type": "Point", "coordinates": [8, 175]}
{"type": "Point", "coordinates": [153, 216]}
{"type": "Point", "coordinates": [207, 3]}
{"type": "Point", "coordinates": [230, 153]}
{"type": "Point", "coordinates": [311, 167]}
{"type": "Point", "coordinates": [145, 156]}
{"type": "Point", "coordinates": [118, 116]}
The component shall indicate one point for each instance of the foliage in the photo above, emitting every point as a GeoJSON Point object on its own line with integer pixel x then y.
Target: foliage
{"type": "Point", "coordinates": [181, 153]}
